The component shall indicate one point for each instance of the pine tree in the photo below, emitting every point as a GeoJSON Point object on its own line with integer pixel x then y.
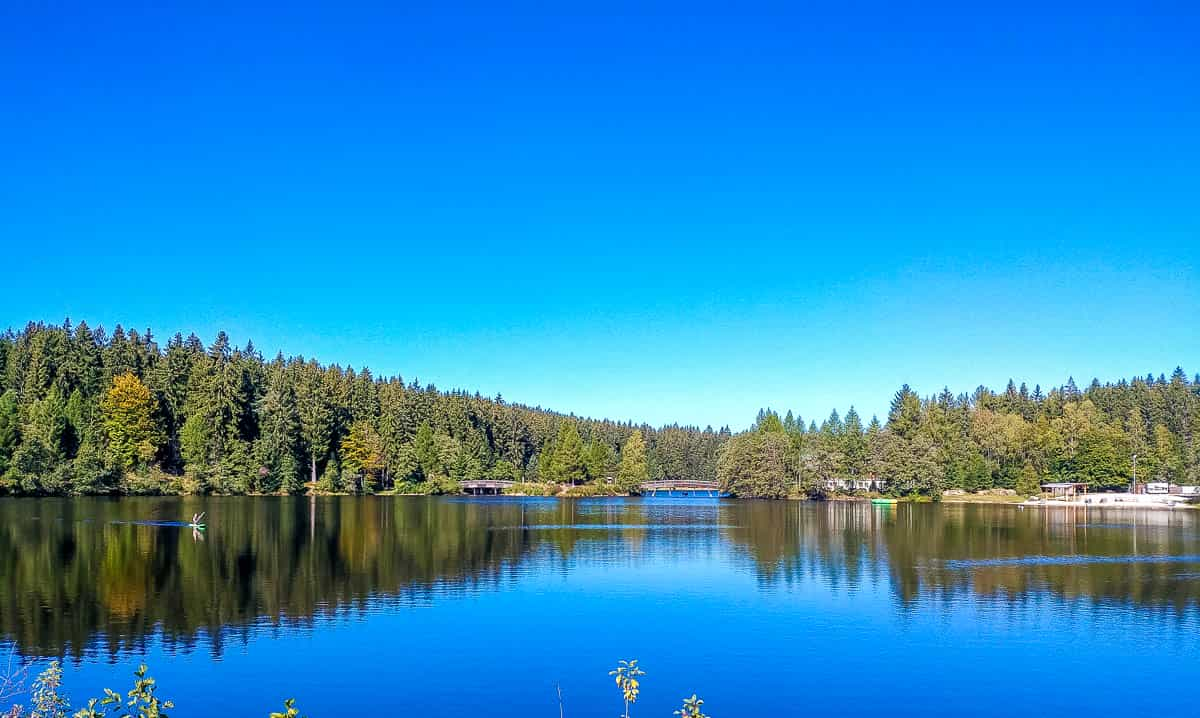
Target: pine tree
{"type": "Point", "coordinates": [905, 414]}
{"type": "Point", "coordinates": [632, 471]}
{"type": "Point", "coordinates": [1070, 391]}
{"type": "Point", "coordinates": [597, 458]}
{"type": "Point", "coordinates": [566, 464]}
{"type": "Point", "coordinates": [854, 444]}
{"type": "Point", "coordinates": [10, 429]}
{"type": "Point", "coordinates": [315, 414]}
{"type": "Point", "coordinates": [195, 438]}
{"type": "Point", "coordinates": [1028, 484]}
{"type": "Point", "coordinates": [425, 451]}
{"type": "Point", "coordinates": [48, 423]}
{"type": "Point", "coordinates": [279, 448]}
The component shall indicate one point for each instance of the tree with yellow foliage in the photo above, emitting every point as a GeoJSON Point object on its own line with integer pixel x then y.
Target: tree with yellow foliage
{"type": "Point", "coordinates": [127, 415]}
{"type": "Point", "coordinates": [362, 452]}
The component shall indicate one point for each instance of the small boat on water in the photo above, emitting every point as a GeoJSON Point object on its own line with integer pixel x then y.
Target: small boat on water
{"type": "Point", "coordinates": [884, 502]}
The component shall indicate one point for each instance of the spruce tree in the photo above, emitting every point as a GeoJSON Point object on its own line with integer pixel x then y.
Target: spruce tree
{"type": "Point", "coordinates": [315, 415]}
{"type": "Point", "coordinates": [632, 472]}
{"type": "Point", "coordinates": [566, 464]}
{"type": "Point", "coordinates": [425, 451]}
{"type": "Point", "coordinates": [279, 448]}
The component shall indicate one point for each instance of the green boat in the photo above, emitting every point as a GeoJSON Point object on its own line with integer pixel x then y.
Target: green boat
{"type": "Point", "coordinates": [884, 502]}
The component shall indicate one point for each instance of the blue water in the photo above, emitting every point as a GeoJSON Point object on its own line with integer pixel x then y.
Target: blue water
{"type": "Point", "coordinates": [480, 606]}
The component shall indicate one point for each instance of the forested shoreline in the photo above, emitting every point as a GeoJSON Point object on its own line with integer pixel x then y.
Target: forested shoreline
{"type": "Point", "coordinates": [87, 412]}
{"type": "Point", "coordinates": [1016, 439]}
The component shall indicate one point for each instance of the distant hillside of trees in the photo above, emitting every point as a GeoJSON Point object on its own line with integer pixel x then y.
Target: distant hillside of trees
{"type": "Point", "coordinates": [85, 412]}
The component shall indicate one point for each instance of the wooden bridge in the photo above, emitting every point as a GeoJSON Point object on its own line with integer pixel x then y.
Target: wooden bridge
{"type": "Point", "coordinates": [681, 487]}
{"type": "Point", "coordinates": [484, 487]}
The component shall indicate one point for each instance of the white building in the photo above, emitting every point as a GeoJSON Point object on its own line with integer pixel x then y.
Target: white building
{"type": "Point", "coordinates": [856, 484]}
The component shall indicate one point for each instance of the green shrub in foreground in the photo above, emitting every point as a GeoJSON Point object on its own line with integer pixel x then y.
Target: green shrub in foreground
{"type": "Point", "coordinates": [143, 701]}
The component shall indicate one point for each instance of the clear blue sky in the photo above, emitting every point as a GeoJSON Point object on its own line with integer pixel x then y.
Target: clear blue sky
{"type": "Point", "coordinates": [675, 213]}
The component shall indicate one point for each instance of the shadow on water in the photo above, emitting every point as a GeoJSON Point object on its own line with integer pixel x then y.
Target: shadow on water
{"type": "Point", "coordinates": [103, 574]}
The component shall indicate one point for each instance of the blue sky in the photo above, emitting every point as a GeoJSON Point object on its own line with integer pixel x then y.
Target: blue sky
{"type": "Point", "coordinates": [658, 211]}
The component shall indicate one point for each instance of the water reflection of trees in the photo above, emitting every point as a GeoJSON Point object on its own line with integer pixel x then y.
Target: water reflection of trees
{"type": "Point", "coordinates": [85, 574]}
{"type": "Point", "coordinates": [72, 576]}
{"type": "Point", "coordinates": [1005, 553]}
{"type": "Point", "coordinates": [77, 573]}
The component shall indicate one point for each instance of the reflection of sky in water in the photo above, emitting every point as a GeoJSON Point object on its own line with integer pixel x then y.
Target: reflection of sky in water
{"type": "Point", "coordinates": [783, 610]}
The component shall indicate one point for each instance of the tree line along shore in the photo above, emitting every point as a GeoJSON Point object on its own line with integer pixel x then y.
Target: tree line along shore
{"type": "Point", "coordinates": [84, 411]}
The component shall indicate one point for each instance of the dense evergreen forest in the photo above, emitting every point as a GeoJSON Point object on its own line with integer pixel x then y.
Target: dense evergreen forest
{"type": "Point", "coordinates": [85, 412]}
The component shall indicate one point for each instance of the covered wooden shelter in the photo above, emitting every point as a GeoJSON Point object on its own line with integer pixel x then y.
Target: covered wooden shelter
{"type": "Point", "coordinates": [1065, 489]}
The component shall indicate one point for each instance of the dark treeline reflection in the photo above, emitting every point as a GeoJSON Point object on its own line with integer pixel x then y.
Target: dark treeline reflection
{"type": "Point", "coordinates": [1149, 558]}
{"type": "Point", "coordinates": [75, 570]}
{"type": "Point", "coordinates": [107, 574]}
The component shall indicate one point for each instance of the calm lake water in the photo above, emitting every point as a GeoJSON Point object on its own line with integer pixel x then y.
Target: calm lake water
{"type": "Point", "coordinates": [414, 606]}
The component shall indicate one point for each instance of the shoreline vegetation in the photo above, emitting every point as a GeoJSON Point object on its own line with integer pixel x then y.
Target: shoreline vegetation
{"type": "Point", "coordinates": [86, 412]}
{"type": "Point", "coordinates": [47, 698]}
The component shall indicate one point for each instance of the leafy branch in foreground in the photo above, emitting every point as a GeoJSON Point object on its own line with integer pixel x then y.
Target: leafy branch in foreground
{"type": "Point", "coordinates": [48, 700]}
{"type": "Point", "coordinates": [289, 710]}
{"type": "Point", "coordinates": [142, 701]}
{"type": "Point", "coordinates": [12, 676]}
{"type": "Point", "coordinates": [627, 674]}
{"type": "Point", "coordinates": [139, 702]}
{"type": "Point", "coordinates": [691, 708]}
